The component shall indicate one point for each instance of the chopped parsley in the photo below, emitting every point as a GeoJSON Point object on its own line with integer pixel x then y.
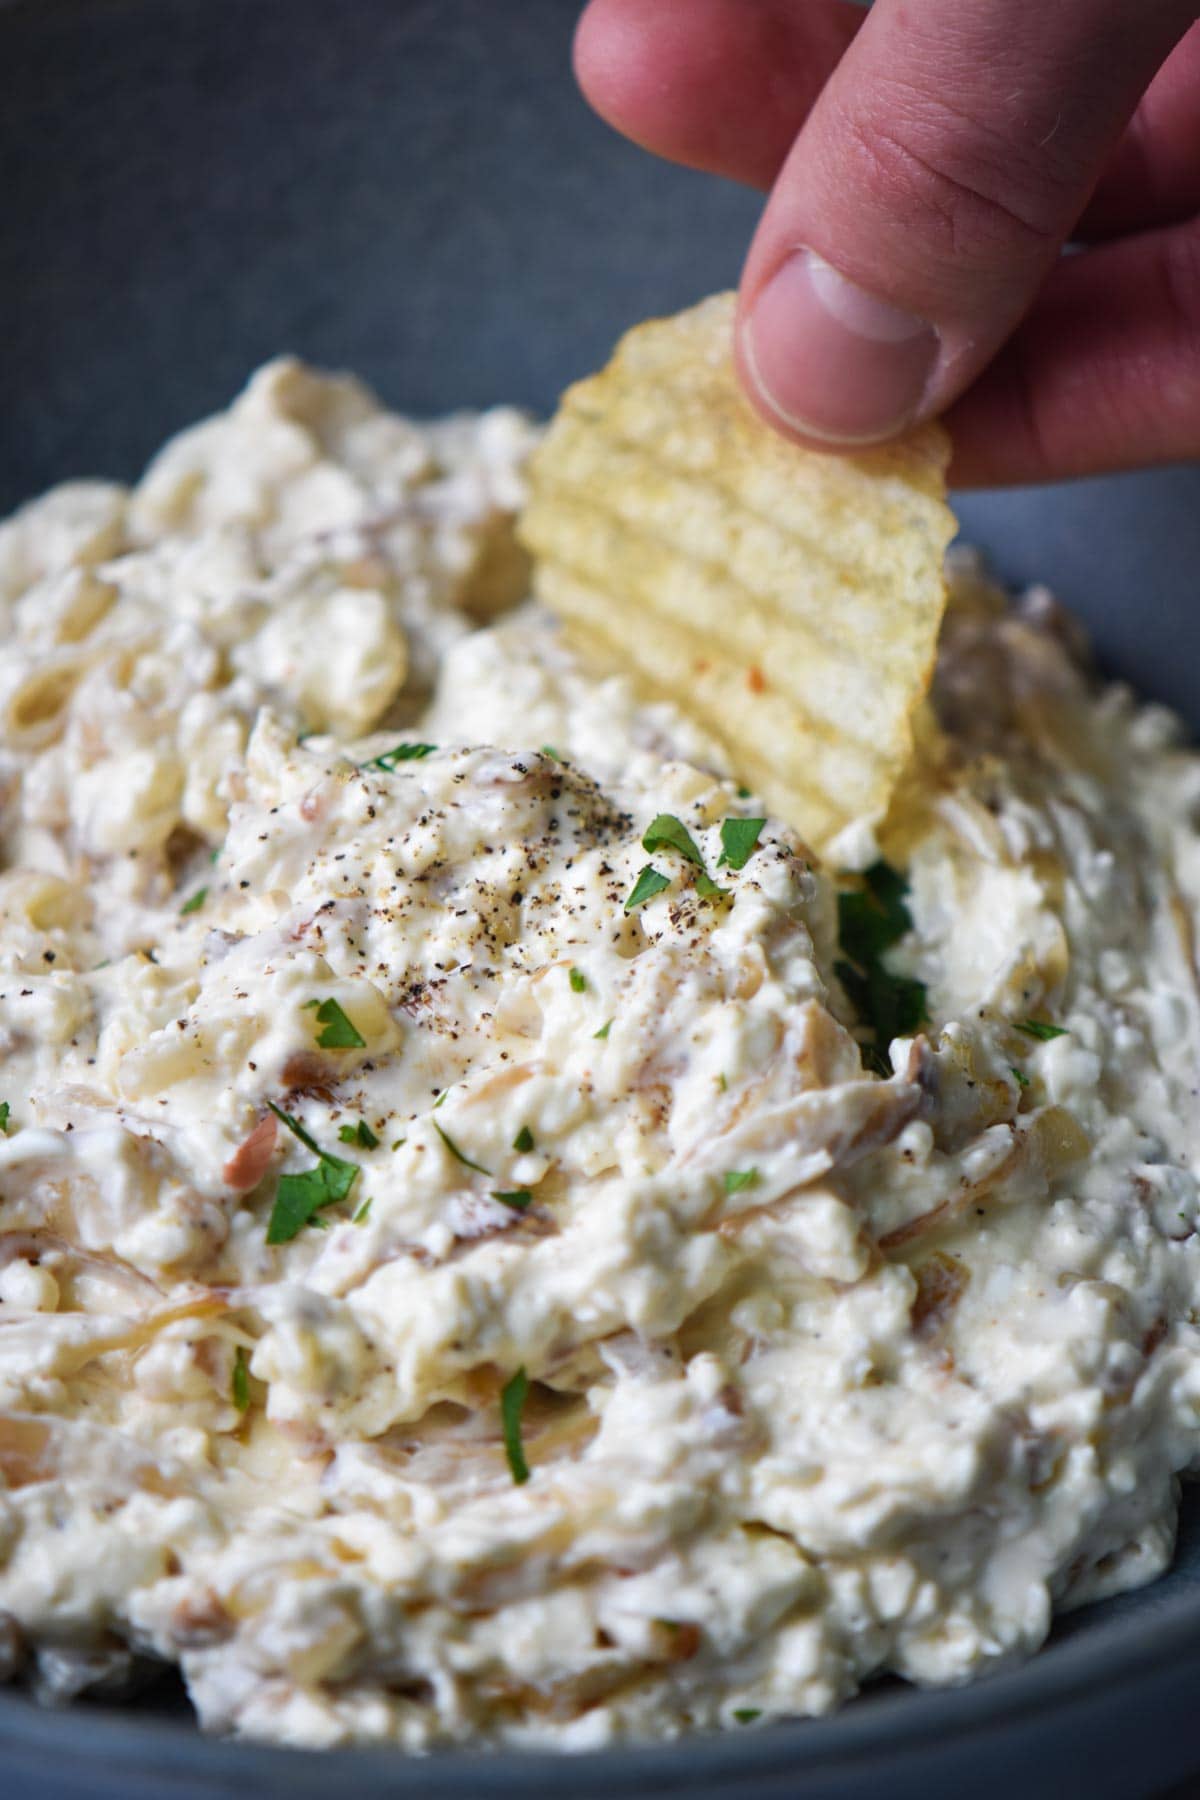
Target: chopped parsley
{"type": "Point", "coordinates": [241, 1380]}
{"type": "Point", "coordinates": [4, 1111]}
{"type": "Point", "coordinates": [874, 918]}
{"type": "Point", "coordinates": [604, 1029]}
{"type": "Point", "coordinates": [361, 1216]}
{"type": "Point", "coordinates": [746, 1715]}
{"type": "Point", "coordinates": [399, 753]}
{"type": "Point", "coordinates": [738, 1180]}
{"type": "Point", "coordinates": [512, 1403]}
{"type": "Point", "coordinates": [551, 752]}
{"type": "Point", "coordinates": [360, 1134]}
{"type": "Point", "coordinates": [578, 981]}
{"type": "Point", "coordinates": [1034, 1028]}
{"type": "Point", "coordinates": [454, 1150]}
{"type": "Point", "coordinates": [299, 1198]}
{"type": "Point", "coordinates": [195, 903]}
{"type": "Point", "coordinates": [339, 1033]}
{"type": "Point", "coordinates": [708, 889]}
{"type": "Point", "coordinates": [669, 833]}
{"type": "Point", "coordinates": [297, 1130]}
{"type": "Point", "coordinates": [523, 1141]}
{"type": "Point", "coordinates": [648, 883]}
{"type": "Point", "coordinates": [666, 832]}
{"type": "Point", "coordinates": [739, 841]}
{"type": "Point", "coordinates": [517, 1198]}
{"type": "Point", "coordinates": [743, 792]}
{"type": "Point", "coordinates": [441, 1099]}
{"type": "Point", "coordinates": [870, 921]}
{"type": "Point", "coordinates": [1018, 1075]}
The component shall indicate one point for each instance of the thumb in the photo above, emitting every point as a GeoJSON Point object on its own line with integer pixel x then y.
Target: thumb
{"type": "Point", "coordinates": [929, 192]}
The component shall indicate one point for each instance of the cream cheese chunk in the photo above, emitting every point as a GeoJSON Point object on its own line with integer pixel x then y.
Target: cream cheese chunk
{"type": "Point", "coordinates": [367, 1148]}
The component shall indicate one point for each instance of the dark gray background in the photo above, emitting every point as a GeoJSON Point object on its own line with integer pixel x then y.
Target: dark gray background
{"type": "Point", "coordinates": [415, 190]}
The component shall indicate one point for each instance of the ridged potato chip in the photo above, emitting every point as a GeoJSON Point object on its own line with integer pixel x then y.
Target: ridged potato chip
{"type": "Point", "coordinates": [789, 601]}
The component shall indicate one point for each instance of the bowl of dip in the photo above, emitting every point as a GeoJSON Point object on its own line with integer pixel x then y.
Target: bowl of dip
{"type": "Point", "coordinates": [418, 194]}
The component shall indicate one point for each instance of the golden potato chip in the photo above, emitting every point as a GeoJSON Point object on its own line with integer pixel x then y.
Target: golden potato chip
{"type": "Point", "coordinates": [789, 601]}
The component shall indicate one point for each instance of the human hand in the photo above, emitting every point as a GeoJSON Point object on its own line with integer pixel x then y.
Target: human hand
{"type": "Point", "coordinates": [926, 164]}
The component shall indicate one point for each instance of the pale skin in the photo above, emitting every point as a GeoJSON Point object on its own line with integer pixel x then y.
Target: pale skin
{"type": "Point", "coordinates": [925, 166]}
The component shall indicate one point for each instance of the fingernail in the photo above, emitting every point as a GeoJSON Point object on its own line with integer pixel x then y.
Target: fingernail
{"type": "Point", "coordinates": [831, 360]}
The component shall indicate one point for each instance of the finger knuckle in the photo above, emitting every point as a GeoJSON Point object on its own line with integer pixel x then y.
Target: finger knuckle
{"type": "Point", "coordinates": [1179, 274]}
{"type": "Point", "coordinates": [1178, 363]}
{"type": "Point", "coordinates": [961, 188]}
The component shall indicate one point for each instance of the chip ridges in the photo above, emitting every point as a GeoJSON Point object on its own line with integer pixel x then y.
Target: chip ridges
{"type": "Point", "coordinates": [788, 600]}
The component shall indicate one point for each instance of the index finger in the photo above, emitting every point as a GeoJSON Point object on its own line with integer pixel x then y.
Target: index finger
{"type": "Point", "coordinates": [720, 85]}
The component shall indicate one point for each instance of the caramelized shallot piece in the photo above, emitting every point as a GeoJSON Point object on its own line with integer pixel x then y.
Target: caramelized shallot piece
{"type": "Point", "coordinates": [252, 1158]}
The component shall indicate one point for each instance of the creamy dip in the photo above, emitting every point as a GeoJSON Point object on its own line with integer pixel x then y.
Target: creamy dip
{"type": "Point", "coordinates": [367, 1151]}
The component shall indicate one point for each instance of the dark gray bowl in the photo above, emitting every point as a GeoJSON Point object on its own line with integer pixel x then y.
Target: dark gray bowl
{"type": "Point", "coordinates": [413, 189]}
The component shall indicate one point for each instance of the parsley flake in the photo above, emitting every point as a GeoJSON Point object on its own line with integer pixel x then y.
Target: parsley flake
{"type": "Point", "coordinates": [512, 1403]}
{"type": "Point", "coordinates": [739, 841]}
{"type": "Point", "coordinates": [194, 903]}
{"type": "Point", "coordinates": [241, 1379]}
{"type": "Point", "coordinates": [666, 832]}
{"type": "Point", "coordinates": [604, 1029]}
{"type": "Point", "coordinates": [1018, 1075]}
{"type": "Point", "coordinates": [746, 1715]}
{"type": "Point", "coordinates": [551, 752]}
{"type": "Point", "coordinates": [298, 1198]}
{"type": "Point", "coordinates": [339, 1033]}
{"type": "Point", "coordinates": [454, 1150]}
{"type": "Point", "coordinates": [648, 883]}
{"type": "Point", "coordinates": [578, 981]}
{"type": "Point", "coordinates": [399, 753]}
{"type": "Point", "coordinates": [1034, 1028]}
{"type": "Point", "coordinates": [708, 889]}
{"type": "Point", "coordinates": [360, 1134]}
{"type": "Point", "coordinates": [517, 1198]}
{"type": "Point", "coordinates": [738, 1180]}
{"type": "Point", "coordinates": [297, 1129]}
{"type": "Point", "coordinates": [360, 1217]}
{"type": "Point", "coordinates": [870, 921]}
{"type": "Point", "coordinates": [4, 1111]}
{"type": "Point", "coordinates": [523, 1141]}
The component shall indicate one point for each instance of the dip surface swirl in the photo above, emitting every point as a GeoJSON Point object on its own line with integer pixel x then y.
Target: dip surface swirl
{"type": "Point", "coordinates": [456, 1288]}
